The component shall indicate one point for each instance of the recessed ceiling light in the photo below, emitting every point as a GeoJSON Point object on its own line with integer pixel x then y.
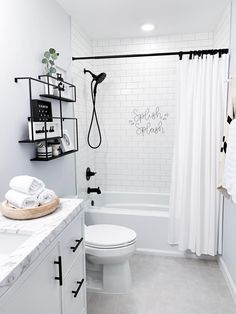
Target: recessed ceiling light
{"type": "Point", "coordinates": [147, 27]}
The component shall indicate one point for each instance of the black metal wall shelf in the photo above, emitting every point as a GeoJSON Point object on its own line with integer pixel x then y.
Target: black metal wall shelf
{"type": "Point", "coordinates": [54, 157]}
{"type": "Point", "coordinates": [52, 96]}
{"type": "Point", "coordinates": [31, 120]}
{"type": "Point", "coordinates": [57, 97]}
{"type": "Point", "coordinates": [39, 140]}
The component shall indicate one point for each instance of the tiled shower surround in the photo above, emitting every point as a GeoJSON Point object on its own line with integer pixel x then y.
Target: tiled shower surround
{"type": "Point", "coordinates": [136, 108]}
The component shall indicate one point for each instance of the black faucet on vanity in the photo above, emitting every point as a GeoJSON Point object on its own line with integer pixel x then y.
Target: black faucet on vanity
{"type": "Point", "coordinates": [94, 190]}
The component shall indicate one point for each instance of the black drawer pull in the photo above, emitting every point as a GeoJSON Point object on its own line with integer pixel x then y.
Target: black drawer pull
{"type": "Point", "coordinates": [78, 289]}
{"type": "Point", "coordinates": [60, 270]}
{"type": "Point", "coordinates": [74, 248]}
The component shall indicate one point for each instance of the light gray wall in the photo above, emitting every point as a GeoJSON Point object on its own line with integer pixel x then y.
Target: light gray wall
{"type": "Point", "coordinates": [229, 236]}
{"type": "Point", "coordinates": [229, 251]}
{"type": "Point", "coordinates": [27, 29]}
{"type": "Point", "coordinates": [233, 40]}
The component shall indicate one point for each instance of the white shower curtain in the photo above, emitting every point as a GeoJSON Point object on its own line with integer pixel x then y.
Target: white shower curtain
{"type": "Point", "coordinates": [195, 205]}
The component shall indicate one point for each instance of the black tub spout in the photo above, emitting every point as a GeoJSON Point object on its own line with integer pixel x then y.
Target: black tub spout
{"type": "Point", "coordinates": [94, 190]}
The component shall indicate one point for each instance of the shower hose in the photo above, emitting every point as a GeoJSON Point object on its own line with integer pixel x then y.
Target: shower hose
{"type": "Point", "coordinates": [94, 118]}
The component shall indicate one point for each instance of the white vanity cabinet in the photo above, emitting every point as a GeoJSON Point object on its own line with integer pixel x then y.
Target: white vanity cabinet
{"type": "Point", "coordinates": [55, 282]}
{"type": "Point", "coordinates": [73, 263]}
{"type": "Point", "coordinates": [38, 292]}
{"type": "Point", "coordinates": [74, 288]}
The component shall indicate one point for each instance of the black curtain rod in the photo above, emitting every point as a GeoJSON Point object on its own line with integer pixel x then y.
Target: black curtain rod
{"type": "Point", "coordinates": [180, 54]}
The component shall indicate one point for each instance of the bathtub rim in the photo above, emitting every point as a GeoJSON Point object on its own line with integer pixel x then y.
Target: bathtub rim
{"type": "Point", "coordinates": [159, 204]}
{"type": "Point", "coordinates": [127, 212]}
{"type": "Point", "coordinates": [135, 193]}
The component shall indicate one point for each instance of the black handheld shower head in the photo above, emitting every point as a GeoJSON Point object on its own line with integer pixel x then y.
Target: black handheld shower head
{"type": "Point", "coordinates": [100, 77]}
{"type": "Point", "coordinates": [97, 78]}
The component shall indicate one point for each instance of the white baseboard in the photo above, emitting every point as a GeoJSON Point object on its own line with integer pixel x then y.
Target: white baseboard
{"type": "Point", "coordinates": [143, 251]}
{"type": "Point", "coordinates": [228, 278]}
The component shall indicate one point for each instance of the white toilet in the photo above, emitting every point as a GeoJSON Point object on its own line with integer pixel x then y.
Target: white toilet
{"type": "Point", "coordinates": [108, 249]}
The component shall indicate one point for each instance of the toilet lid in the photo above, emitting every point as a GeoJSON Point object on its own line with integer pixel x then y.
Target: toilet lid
{"type": "Point", "coordinates": [108, 236]}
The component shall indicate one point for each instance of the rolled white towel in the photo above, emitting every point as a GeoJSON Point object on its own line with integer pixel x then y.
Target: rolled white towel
{"type": "Point", "coordinates": [46, 196]}
{"type": "Point", "coordinates": [26, 184]}
{"type": "Point", "coordinates": [21, 200]}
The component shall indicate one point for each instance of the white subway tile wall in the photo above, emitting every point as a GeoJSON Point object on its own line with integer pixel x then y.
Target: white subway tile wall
{"type": "Point", "coordinates": [136, 108]}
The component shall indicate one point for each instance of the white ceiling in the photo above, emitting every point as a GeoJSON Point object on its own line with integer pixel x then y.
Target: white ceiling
{"type": "Point", "coordinates": [123, 18]}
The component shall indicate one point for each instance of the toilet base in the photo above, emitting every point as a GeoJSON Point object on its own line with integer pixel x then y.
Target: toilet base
{"type": "Point", "coordinates": [109, 278]}
{"type": "Point", "coordinates": [117, 278]}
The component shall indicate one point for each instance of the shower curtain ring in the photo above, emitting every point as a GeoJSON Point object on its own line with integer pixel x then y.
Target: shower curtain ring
{"type": "Point", "coordinates": [180, 55]}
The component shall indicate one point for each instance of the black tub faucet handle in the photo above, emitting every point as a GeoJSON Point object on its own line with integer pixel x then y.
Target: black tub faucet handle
{"type": "Point", "coordinates": [89, 174]}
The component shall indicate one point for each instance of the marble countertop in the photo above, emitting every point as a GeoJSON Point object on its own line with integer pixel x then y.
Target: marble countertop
{"type": "Point", "coordinates": [42, 232]}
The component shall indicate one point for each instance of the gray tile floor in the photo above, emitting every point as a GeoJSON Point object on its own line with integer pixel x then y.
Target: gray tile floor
{"type": "Point", "coordinates": [166, 285]}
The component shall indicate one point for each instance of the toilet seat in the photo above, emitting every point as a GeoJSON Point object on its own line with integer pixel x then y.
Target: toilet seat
{"type": "Point", "coordinates": [109, 236]}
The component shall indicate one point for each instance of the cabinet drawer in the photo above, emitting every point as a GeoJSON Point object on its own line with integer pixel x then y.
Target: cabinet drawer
{"type": "Point", "coordinates": [72, 242]}
{"type": "Point", "coordinates": [75, 288]}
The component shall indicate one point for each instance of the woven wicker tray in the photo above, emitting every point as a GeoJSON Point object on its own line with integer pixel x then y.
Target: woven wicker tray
{"type": "Point", "coordinates": [29, 213]}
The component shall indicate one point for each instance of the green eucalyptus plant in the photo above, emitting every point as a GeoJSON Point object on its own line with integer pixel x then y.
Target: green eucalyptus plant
{"type": "Point", "coordinates": [49, 61]}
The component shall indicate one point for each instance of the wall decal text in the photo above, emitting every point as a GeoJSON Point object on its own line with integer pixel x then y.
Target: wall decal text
{"type": "Point", "coordinates": [149, 121]}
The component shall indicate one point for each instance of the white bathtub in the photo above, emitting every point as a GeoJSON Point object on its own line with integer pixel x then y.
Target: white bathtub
{"type": "Point", "coordinates": [147, 214]}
